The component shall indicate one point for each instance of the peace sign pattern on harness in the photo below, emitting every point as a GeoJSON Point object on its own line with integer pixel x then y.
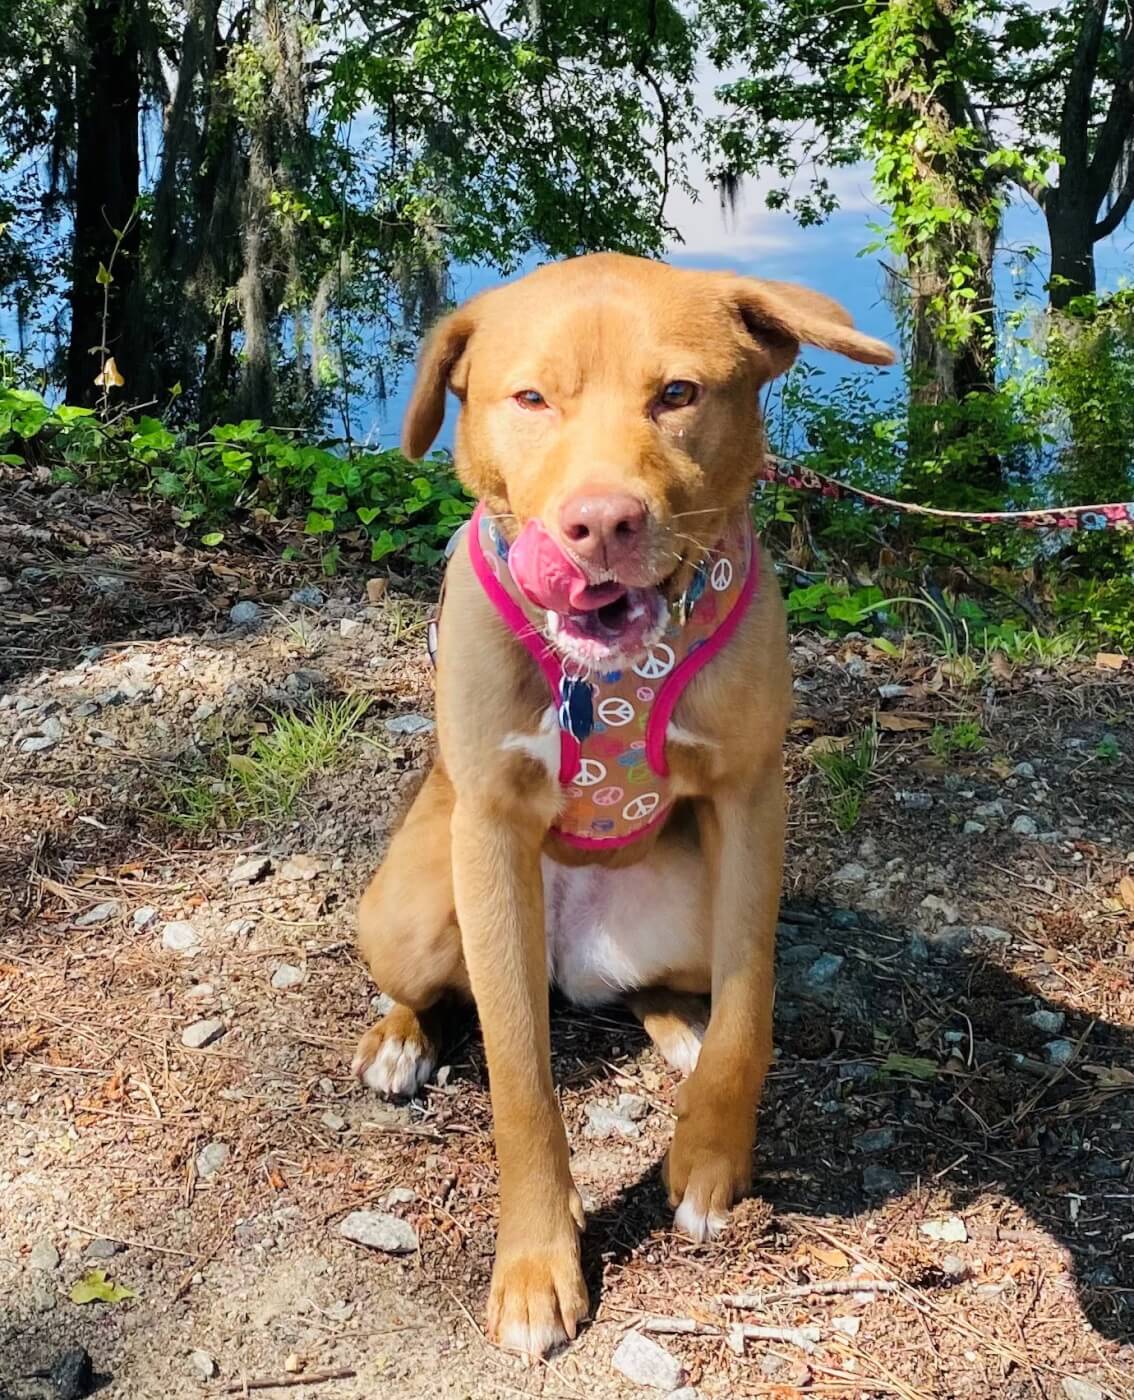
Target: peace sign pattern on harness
{"type": "Point", "coordinates": [591, 772]}
{"type": "Point", "coordinates": [642, 806]}
{"type": "Point", "coordinates": [615, 710]}
{"type": "Point", "coordinates": [659, 662]}
{"type": "Point", "coordinates": [721, 576]}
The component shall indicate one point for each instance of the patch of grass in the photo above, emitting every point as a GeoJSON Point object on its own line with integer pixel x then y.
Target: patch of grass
{"type": "Point", "coordinates": [1107, 749]}
{"type": "Point", "coordinates": [963, 737]}
{"type": "Point", "coordinates": [266, 782]}
{"type": "Point", "coordinates": [846, 774]}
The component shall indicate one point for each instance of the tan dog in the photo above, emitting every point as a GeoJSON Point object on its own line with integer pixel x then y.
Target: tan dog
{"type": "Point", "coordinates": [614, 400]}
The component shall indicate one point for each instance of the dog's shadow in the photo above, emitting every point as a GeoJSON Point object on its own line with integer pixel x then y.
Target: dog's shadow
{"type": "Point", "coordinates": [907, 1066]}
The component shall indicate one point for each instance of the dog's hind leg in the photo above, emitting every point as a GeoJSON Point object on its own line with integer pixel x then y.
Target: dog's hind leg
{"type": "Point", "coordinates": [408, 934]}
{"type": "Point", "coordinates": [674, 1021]}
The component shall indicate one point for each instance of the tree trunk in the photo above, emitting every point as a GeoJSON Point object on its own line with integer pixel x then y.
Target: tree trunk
{"type": "Point", "coordinates": [108, 96]}
{"type": "Point", "coordinates": [1070, 230]}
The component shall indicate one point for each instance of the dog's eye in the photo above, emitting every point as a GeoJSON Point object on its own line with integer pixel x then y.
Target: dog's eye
{"type": "Point", "coordinates": [678, 393]}
{"type": "Point", "coordinates": [530, 398]}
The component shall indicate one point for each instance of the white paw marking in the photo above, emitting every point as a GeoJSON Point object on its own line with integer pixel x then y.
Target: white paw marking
{"type": "Point", "coordinates": [682, 1050]}
{"type": "Point", "coordinates": [699, 1224]}
{"type": "Point", "coordinates": [530, 1340]}
{"type": "Point", "coordinates": [399, 1069]}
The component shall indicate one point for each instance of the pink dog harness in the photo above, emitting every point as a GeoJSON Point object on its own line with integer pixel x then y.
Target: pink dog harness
{"type": "Point", "coordinates": [612, 726]}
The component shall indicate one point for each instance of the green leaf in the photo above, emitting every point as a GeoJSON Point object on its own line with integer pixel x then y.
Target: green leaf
{"type": "Point", "coordinates": [214, 537]}
{"type": "Point", "coordinates": [908, 1064]}
{"type": "Point", "coordinates": [104, 277]}
{"type": "Point", "coordinates": [366, 514]}
{"type": "Point", "coordinates": [318, 524]}
{"type": "Point", "coordinates": [95, 1287]}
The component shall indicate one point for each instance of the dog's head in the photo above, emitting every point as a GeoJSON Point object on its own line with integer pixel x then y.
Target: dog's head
{"type": "Point", "coordinates": [614, 402]}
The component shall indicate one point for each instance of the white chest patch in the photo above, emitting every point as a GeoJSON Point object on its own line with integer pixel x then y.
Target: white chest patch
{"type": "Point", "coordinates": [543, 745]}
{"type": "Point", "coordinates": [611, 931]}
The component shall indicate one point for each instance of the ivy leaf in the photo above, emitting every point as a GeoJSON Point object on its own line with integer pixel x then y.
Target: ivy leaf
{"type": "Point", "coordinates": [908, 1064]}
{"type": "Point", "coordinates": [95, 1287]}
{"type": "Point", "coordinates": [104, 277]}
{"type": "Point", "coordinates": [318, 524]}
{"type": "Point", "coordinates": [214, 537]}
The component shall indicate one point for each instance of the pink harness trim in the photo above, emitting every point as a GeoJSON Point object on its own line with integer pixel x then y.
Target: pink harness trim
{"type": "Point", "coordinates": [662, 706]}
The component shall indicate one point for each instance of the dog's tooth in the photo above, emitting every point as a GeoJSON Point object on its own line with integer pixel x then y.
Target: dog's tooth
{"type": "Point", "coordinates": [552, 622]}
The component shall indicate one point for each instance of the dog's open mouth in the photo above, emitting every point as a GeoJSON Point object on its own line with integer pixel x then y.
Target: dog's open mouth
{"type": "Point", "coordinates": [620, 625]}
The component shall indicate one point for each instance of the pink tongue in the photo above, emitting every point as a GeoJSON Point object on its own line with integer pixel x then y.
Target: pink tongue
{"type": "Point", "coordinates": [549, 579]}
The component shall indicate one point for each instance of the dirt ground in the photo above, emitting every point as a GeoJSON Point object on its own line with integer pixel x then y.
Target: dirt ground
{"type": "Point", "coordinates": [950, 1116]}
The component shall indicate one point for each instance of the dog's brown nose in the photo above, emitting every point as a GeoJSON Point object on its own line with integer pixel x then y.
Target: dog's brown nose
{"type": "Point", "coordinates": [605, 529]}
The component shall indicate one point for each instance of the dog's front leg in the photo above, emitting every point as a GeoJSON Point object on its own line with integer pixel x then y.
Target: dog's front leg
{"type": "Point", "coordinates": [710, 1160]}
{"type": "Point", "coordinates": [538, 1295]}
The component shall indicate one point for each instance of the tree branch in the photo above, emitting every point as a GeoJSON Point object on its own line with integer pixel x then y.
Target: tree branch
{"type": "Point", "coordinates": [1115, 131]}
{"type": "Point", "coordinates": [1075, 122]}
{"type": "Point", "coordinates": [1118, 210]}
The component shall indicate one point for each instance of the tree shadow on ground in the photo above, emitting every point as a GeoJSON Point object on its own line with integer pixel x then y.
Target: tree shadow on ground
{"type": "Point", "coordinates": [984, 1113]}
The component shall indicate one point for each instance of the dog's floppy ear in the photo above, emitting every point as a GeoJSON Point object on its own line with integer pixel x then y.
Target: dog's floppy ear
{"type": "Point", "coordinates": [781, 316]}
{"type": "Point", "coordinates": [439, 367]}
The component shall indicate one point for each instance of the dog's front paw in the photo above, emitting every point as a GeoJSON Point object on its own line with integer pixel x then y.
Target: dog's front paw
{"type": "Point", "coordinates": [708, 1166]}
{"type": "Point", "coordinates": [395, 1057]}
{"type": "Point", "coordinates": [538, 1296]}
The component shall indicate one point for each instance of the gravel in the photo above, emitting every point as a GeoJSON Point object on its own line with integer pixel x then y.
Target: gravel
{"type": "Point", "coordinates": [181, 937]}
{"type": "Point", "coordinates": [286, 976]}
{"type": "Point", "coordinates": [98, 913]}
{"type": "Point", "coordinates": [202, 1033]}
{"type": "Point", "coordinates": [212, 1158]}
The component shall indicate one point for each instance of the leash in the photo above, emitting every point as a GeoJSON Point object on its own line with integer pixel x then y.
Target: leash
{"type": "Point", "coordinates": [1115, 515]}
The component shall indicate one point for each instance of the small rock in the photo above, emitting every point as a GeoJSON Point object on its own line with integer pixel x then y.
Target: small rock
{"type": "Point", "coordinates": [341, 1311]}
{"type": "Point", "coordinates": [857, 1071]}
{"type": "Point", "coordinates": [824, 969]}
{"type": "Point", "coordinates": [211, 1158]}
{"type": "Point", "coordinates": [201, 1364]}
{"type": "Point", "coordinates": [946, 912]}
{"type": "Point", "coordinates": [848, 1326]}
{"type": "Point", "coordinates": [308, 596]}
{"type": "Point", "coordinates": [244, 614]}
{"type": "Point", "coordinates": [37, 743]}
{"type": "Point", "coordinates": [950, 1229]}
{"type": "Point", "coordinates": [605, 1122]}
{"type": "Point", "coordinates": [249, 870]}
{"type": "Point", "coordinates": [85, 708]}
{"type": "Point", "coordinates": [1080, 1388]}
{"type": "Point", "coordinates": [989, 809]}
{"type": "Point", "coordinates": [1025, 825]}
{"type": "Point", "coordinates": [914, 801]}
{"type": "Point", "coordinates": [144, 916]}
{"type": "Point", "coordinates": [200, 991]}
{"type": "Point", "coordinates": [844, 918]}
{"type": "Point", "coordinates": [102, 1249]}
{"type": "Point", "coordinates": [202, 1033]}
{"type": "Point", "coordinates": [41, 1294]}
{"type": "Point", "coordinates": [954, 1267]}
{"type": "Point", "coordinates": [205, 710]}
{"type": "Point", "coordinates": [301, 868]}
{"type": "Point", "coordinates": [237, 928]}
{"type": "Point", "coordinates": [98, 913]}
{"type": "Point", "coordinates": [180, 937]}
{"type": "Point", "coordinates": [334, 1121]}
{"type": "Point", "coordinates": [880, 1181]}
{"type": "Point", "coordinates": [991, 934]}
{"type": "Point", "coordinates": [852, 873]}
{"type": "Point", "coordinates": [973, 829]}
{"type": "Point", "coordinates": [796, 953]}
{"type": "Point", "coordinates": [304, 681]}
{"type": "Point", "coordinates": [642, 1361]}
{"type": "Point", "coordinates": [409, 724]}
{"type": "Point", "coordinates": [401, 1196]}
{"type": "Point", "coordinates": [348, 626]}
{"type": "Point", "coordinates": [1049, 1022]}
{"type": "Point", "coordinates": [1059, 1052]}
{"type": "Point", "coordinates": [286, 976]}
{"type": "Point", "coordinates": [1024, 770]}
{"type": "Point", "coordinates": [772, 1365]}
{"type": "Point", "coordinates": [632, 1106]}
{"type": "Point", "coordinates": [377, 1230]}
{"type": "Point", "coordinates": [44, 1256]}
{"type": "Point", "coordinates": [72, 1374]}
{"type": "Point", "coordinates": [875, 1140]}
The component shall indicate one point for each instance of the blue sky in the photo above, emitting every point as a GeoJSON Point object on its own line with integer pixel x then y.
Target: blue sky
{"type": "Point", "coordinates": [768, 243]}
